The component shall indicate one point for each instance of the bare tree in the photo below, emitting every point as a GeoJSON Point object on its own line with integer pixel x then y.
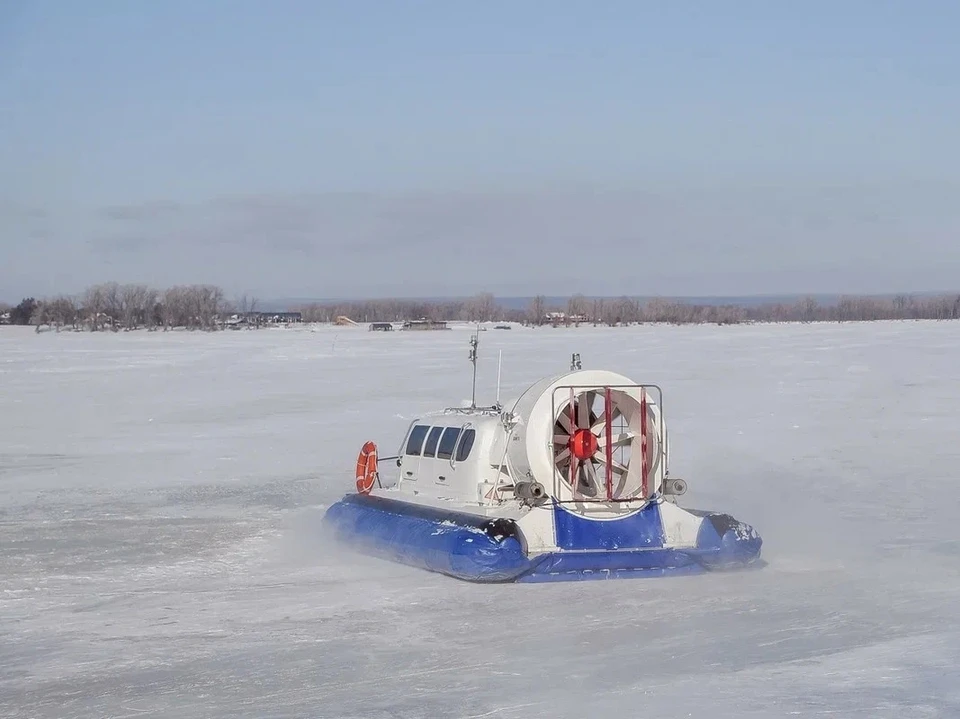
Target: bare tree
{"type": "Point", "coordinates": [628, 311]}
{"type": "Point", "coordinates": [63, 311]}
{"type": "Point", "coordinates": [40, 315]}
{"type": "Point", "coordinates": [481, 308]}
{"type": "Point", "coordinates": [175, 310]}
{"type": "Point", "coordinates": [537, 311]}
{"type": "Point", "coordinates": [136, 305]}
{"type": "Point", "coordinates": [245, 305]}
{"type": "Point", "coordinates": [597, 314]}
{"type": "Point", "coordinates": [113, 304]}
{"type": "Point", "coordinates": [206, 304]}
{"type": "Point", "coordinates": [313, 313]}
{"type": "Point", "coordinates": [94, 307]}
{"type": "Point", "coordinates": [577, 306]}
{"type": "Point", "coordinates": [241, 304]}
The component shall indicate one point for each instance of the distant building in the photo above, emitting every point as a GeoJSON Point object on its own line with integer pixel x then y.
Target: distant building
{"type": "Point", "coordinates": [424, 324]}
{"type": "Point", "coordinates": [5, 318]}
{"type": "Point", "coordinates": [562, 318]}
{"type": "Point", "coordinates": [381, 327]}
{"type": "Point", "coordinates": [282, 317]}
{"type": "Point", "coordinates": [264, 318]}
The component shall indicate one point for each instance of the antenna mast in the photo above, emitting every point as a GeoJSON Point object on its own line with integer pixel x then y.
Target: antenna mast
{"type": "Point", "coordinates": [499, 365]}
{"type": "Point", "coordinates": [474, 341]}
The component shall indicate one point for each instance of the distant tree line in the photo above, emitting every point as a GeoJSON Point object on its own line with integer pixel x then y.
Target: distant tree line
{"type": "Point", "coordinates": [482, 308]}
{"type": "Point", "coordinates": [114, 306]}
{"type": "Point", "coordinates": [579, 309]}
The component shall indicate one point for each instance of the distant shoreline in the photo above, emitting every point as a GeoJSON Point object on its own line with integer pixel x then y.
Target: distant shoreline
{"type": "Point", "coordinates": [112, 306]}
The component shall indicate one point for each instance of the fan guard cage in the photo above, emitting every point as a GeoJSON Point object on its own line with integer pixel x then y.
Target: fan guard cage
{"type": "Point", "coordinates": [599, 439]}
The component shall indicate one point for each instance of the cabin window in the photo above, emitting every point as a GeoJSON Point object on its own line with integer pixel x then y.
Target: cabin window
{"type": "Point", "coordinates": [416, 439]}
{"type": "Point", "coordinates": [448, 442]}
{"type": "Point", "coordinates": [430, 450]}
{"type": "Point", "coordinates": [466, 444]}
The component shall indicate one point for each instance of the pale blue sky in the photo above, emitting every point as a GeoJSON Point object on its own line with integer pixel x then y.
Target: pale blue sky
{"type": "Point", "coordinates": [691, 147]}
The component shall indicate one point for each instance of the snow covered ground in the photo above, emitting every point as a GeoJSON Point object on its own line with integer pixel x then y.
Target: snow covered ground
{"type": "Point", "coordinates": [159, 554]}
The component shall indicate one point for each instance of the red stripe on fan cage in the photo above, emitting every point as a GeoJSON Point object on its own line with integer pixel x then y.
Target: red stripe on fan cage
{"type": "Point", "coordinates": [574, 465]}
{"type": "Point", "coordinates": [608, 428]}
{"type": "Point", "coordinates": [643, 442]}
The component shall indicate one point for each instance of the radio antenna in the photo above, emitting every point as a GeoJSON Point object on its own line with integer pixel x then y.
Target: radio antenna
{"type": "Point", "coordinates": [474, 341]}
{"type": "Point", "coordinates": [499, 365]}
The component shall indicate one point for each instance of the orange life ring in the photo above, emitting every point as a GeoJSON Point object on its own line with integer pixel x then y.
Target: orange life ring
{"type": "Point", "coordinates": [367, 468]}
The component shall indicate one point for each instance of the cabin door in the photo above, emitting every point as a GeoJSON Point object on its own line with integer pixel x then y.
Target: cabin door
{"type": "Point", "coordinates": [411, 462]}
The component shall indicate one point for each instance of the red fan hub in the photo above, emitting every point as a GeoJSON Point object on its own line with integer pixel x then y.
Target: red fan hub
{"type": "Point", "coordinates": [583, 444]}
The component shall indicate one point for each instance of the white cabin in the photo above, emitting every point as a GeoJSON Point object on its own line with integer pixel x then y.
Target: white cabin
{"type": "Point", "coordinates": [450, 456]}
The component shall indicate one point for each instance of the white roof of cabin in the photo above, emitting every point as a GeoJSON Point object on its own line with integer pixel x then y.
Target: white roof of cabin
{"type": "Point", "coordinates": [458, 419]}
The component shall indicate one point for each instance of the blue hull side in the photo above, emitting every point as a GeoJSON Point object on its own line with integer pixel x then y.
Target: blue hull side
{"type": "Point", "coordinates": [725, 542]}
{"type": "Point", "coordinates": [640, 530]}
{"type": "Point", "coordinates": [479, 549]}
{"type": "Point", "coordinates": [460, 545]}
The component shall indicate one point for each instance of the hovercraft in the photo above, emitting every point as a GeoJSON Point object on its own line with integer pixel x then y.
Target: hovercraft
{"type": "Point", "coordinates": [570, 481]}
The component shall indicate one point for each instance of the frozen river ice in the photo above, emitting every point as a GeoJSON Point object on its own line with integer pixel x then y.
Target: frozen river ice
{"type": "Point", "coordinates": [159, 554]}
